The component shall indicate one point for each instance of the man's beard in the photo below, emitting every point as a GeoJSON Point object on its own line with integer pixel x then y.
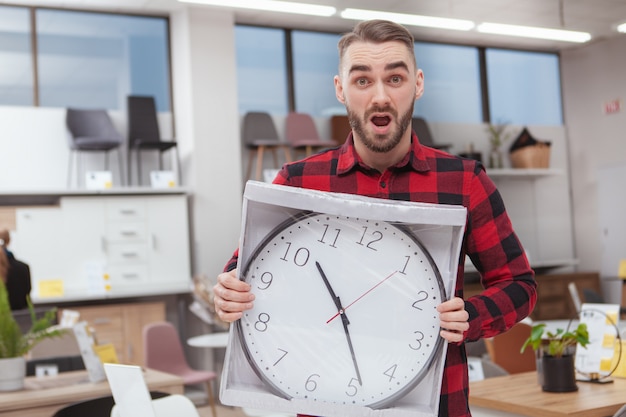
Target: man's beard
{"type": "Point", "coordinates": [380, 143]}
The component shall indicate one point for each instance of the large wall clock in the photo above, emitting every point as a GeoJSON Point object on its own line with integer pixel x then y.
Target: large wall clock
{"type": "Point", "coordinates": [345, 310]}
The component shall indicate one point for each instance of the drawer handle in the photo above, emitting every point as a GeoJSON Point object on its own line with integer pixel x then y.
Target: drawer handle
{"type": "Point", "coordinates": [130, 276]}
{"type": "Point", "coordinates": [129, 254]}
{"type": "Point", "coordinates": [129, 233]}
{"type": "Point", "coordinates": [101, 320]}
{"type": "Point", "coordinates": [127, 211]}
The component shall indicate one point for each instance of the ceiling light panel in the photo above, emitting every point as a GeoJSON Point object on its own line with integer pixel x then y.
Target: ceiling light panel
{"type": "Point", "coordinates": [534, 32]}
{"type": "Point", "coordinates": [271, 6]}
{"type": "Point", "coordinates": [408, 19]}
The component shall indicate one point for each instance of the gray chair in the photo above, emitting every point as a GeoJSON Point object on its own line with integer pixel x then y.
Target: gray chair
{"type": "Point", "coordinates": [424, 134]}
{"type": "Point", "coordinates": [302, 134]}
{"type": "Point", "coordinates": [92, 130]}
{"type": "Point", "coordinates": [259, 134]}
{"type": "Point", "coordinates": [144, 134]}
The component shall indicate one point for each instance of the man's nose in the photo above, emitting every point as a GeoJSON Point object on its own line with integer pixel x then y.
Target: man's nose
{"type": "Point", "coordinates": [381, 95]}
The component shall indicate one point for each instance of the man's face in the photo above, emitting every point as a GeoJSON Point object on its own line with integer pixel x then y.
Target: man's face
{"type": "Point", "coordinates": [378, 84]}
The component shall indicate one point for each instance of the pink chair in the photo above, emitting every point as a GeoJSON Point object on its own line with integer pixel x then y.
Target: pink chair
{"type": "Point", "coordinates": [163, 351]}
{"type": "Point", "coordinates": [302, 134]}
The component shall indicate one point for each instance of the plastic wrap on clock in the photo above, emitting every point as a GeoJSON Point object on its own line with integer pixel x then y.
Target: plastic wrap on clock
{"type": "Point", "coordinates": [344, 320]}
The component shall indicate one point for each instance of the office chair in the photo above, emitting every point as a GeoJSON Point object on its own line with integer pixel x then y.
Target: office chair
{"type": "Point", "coordinates": [504, 350]}
{"type": "Point", "coordinates": [258, 134]}
{"type": "Point", "coordinates": [424, 134]}
{"type": "Point", "coordinates": [302, 134]}
{"type": "Point", "coordinates": [144, 134]}
{"type": "Point", "coordinates": [340, 128]}
{"type": "Point", "coordinates": [164, 352]}
{"type": "Point", "coordinates": [92, 131]}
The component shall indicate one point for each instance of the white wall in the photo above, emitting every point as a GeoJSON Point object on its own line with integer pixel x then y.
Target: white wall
{"type": "Point", "coordinates": [591, 76]}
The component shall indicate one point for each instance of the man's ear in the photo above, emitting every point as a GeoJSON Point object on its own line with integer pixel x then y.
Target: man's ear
{"type": "Point", "coordinates": [339, 90]}
{"type": "Point", "coordinates": [419, 84]}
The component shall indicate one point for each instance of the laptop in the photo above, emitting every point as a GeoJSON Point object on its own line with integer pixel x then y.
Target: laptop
{"type": "Point", "coordinates": [129, 390]}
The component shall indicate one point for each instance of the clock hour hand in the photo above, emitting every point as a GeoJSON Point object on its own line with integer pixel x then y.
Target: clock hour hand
{"type": "Point", "coordinates": [344, 319]}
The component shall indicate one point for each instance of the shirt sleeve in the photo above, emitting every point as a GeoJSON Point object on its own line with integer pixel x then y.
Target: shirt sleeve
{"type": "Point", "coordinates": [509, 293]}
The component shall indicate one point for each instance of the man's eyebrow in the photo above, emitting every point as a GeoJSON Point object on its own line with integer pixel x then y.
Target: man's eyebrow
{"type": "Point", "coordinates": [360, 67]}
{"type": "Point", "coordinates": [388, 67]}
{"type": "Point", "coordinates": [396, 65]}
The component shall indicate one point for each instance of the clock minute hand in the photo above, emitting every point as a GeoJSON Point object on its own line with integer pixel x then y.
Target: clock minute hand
{"type": "Point", "coordinates": [344, 319]}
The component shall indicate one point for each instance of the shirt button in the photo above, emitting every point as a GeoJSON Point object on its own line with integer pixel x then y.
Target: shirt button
{"type": "Point", "coordinates": [383, 184]}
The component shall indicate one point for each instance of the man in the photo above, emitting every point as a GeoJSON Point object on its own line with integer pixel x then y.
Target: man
{"type": "Point", "coordinates": [378, 83]}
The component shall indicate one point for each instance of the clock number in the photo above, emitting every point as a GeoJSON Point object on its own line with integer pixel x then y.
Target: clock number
{"type": "Point", "coordinates": [301, 256]}
{"type": "Point", "coordinates": [403, 271]}
{"type": "Point", "coordinates": [352, 388]}
{"type": "Point", "coordinates": [261, 323]}
{"type": "Point", "coordinates": [322, 240]}
{"type": "Point", "coordinates": [391, 372]}
{"type": "Point", "coordinates": [266, 278]}
{"type": "Point", "coordinates": [419, 337]}
{"type": "Point", "coordinates": [423, 297]}
{"type": "Point", "coordinates": [310, 384]}
{"type": "Point", "coordinates": [376, 237]}
{"type": "Point", "coordinates": [281, 356]}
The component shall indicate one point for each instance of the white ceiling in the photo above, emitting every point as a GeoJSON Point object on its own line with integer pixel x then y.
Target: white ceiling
{"type": "Point", "coordinates": [599, 17]}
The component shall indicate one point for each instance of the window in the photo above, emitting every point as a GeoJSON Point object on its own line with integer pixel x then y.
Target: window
{"type": "Point", "coordinates": [16, 70]}
{"type": "Point", "coordinates": [261, 70]}
{"type": "Point", "coordinates": [452, 90]}
{"type": "Point", "coordinates": [524, 87]}
{"type": "Point", "coordinates": [315, 64]}
{"type": "Point", "coordinates": [94, 60]}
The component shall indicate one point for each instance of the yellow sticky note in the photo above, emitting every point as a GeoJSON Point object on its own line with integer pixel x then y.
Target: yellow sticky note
{"type": "Point", "coordinates": [106, 353]}
{"type": "Point", "coordinates": [608, 340]}
{"type": "Point", "coordinates": [108, 184]}
{"type": "Point", "coordinates": [611, 318]}
{"type": "Point", "coordinates": [605, 364]}
{"type": "Point", "coordinates": [621, 272]}
{"type": "Point", "coordinates": [51, 288]}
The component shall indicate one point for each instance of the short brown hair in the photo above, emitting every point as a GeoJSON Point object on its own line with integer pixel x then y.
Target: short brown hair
{"type": "Point", "coordinates": [376, 31]}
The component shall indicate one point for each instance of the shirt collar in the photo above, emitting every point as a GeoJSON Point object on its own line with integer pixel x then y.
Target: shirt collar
{"type": "Point", "coordinates": [415, 159]}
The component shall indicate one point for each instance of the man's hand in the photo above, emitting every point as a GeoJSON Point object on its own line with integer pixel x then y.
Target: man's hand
{"type": "Point", "coordinates": [453, 319]}
{"type": "Point", "coordinates": [231, 296]}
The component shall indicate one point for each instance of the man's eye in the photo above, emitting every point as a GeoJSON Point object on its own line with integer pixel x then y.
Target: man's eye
{"type": "Point", "coordinates": [396, 79]}
{"type": "Point", "coordinates": [361, 81]}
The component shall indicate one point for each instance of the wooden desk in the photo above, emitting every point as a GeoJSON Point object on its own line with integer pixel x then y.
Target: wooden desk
{"type": "Point", "coordinates": [521, 394]}
{"type": "Point", "coordinates": [42, 397]}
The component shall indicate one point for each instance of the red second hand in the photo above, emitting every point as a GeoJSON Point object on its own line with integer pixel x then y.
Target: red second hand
{"type": "Point", "coordinates": [362, 295]}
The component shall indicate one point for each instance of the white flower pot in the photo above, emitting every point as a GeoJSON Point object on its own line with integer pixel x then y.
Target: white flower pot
{"type": "Point", "coordinates": [12, 374]}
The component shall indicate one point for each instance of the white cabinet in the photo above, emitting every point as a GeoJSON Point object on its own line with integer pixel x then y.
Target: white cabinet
{"type": "Point", "coordinates": [538, 203]}
{"type": "Point", "coordinates": [107, 246]}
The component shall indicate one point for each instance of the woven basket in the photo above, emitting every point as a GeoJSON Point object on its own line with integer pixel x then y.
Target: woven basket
{"type": "Point", "coordinates": [534, 156]}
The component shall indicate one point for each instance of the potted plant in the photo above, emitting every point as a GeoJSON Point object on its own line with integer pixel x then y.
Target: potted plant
{"type": "Point", "coordinates": [497, 136]}
{"type": "Point", "coordinates": [14, 344]}
{"type": "Point", "coordinates": [555, 355]}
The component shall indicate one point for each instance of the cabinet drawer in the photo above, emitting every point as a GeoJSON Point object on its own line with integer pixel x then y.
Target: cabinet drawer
{"type": "Point", "coordinates": [123, 275]}
{"type": "Point", "coordinates": [552, 288]}
{"type": "Point", "coordinates": [126, 231]}
{"type": "Point", "coordinates": [126, 210]}
{"type": "Point", "coordinates": [550, 310]}
{"type": "Point", "coordinates": [128, 253]}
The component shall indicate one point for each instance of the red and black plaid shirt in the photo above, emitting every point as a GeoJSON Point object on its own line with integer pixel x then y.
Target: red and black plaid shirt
{"type": "Point", "coordinates": [432, 176]}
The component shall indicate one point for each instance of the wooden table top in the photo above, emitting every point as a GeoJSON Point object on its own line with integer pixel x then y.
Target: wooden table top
{"type": "Point", "coordinates": [68, 387]}
{"type": "Point", "coordinates": [521, 394]}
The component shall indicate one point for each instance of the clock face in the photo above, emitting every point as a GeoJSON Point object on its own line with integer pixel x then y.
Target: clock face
{"type": "Point", "coordinates": [345, 310]}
